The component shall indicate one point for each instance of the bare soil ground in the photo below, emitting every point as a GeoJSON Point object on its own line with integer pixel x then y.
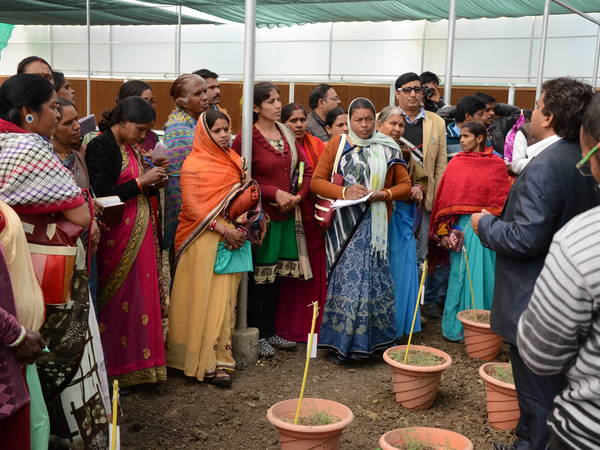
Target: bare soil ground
{"type": "Point", "coordinates": [186, 414]}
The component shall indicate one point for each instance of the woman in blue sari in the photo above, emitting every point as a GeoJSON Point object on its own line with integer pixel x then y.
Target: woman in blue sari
{"type": "Point", "coordinates": [403, 224]}
{"type": "Point", "coordinates": [359, 316]}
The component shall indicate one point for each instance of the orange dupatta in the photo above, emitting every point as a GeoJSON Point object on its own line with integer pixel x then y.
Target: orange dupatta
{"type": "Point", "coordinates": [210, 177]}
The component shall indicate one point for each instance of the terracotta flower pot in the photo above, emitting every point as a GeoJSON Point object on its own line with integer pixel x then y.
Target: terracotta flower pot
{"type": "Point", "coordinates": [415, 387]}
{"type": "Point", "coordinates": [303, 437]}
{"type": "Point", "coordinates": [480, 341]}
{"type": "Point", "coordinates": [502, 405]}
{"type": "Point", "coordinates": [432, 437]}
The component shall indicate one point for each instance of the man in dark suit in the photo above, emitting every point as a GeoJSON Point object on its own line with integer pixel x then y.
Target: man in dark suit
{"type": "Point", "coordinates": [548, 194]}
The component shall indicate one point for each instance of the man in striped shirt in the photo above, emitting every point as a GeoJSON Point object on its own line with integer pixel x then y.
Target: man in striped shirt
{"type": "Point", "coordinates": [559, 332]}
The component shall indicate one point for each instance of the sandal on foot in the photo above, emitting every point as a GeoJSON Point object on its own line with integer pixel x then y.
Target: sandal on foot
{"type": "Point", "coordinates": [221, 379]}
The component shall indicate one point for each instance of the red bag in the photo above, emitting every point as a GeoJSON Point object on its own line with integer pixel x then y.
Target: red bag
{"type": "Point", "coordinates": [324, 213]}
{"type": "Point", "coordinates": [52, 243]}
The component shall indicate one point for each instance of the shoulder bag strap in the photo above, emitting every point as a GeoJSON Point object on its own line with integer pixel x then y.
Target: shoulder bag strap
{"type": "Point", "coordinates": [338, 155]}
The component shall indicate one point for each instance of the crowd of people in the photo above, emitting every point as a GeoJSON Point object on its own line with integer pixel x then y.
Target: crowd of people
{"type": "Point", "coordinates": [480, 188]}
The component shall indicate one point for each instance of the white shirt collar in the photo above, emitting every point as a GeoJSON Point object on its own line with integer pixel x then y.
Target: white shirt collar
{"type": "Point", "coordinates": [539, 147]}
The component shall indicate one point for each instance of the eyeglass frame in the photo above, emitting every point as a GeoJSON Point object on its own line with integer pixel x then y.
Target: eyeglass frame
{"type": "Point", "coordinates": [415, 89]}
{"type": "Point", "coordinates": [585, 160]}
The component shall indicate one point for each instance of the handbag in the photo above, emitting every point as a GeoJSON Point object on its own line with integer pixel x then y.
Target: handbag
{"type": "Point", "coordinates": [52, 242]}
{"type": "Point", "coordinates": [323, 211]}
{"type": "Point", "coordinates": [243, 201]}
{"type": "Point", "coordinates": [233, 261]}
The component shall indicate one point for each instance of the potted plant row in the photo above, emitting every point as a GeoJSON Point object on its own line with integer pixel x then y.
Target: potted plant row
{"type": "Point", "coordinates": [415, 382]}
{"type": "Point", "coordinates": [423, 438]}
{"type": "Point", "coordinates": [501, 395]}
{"type": "Point", "coordinates": [480, 341]}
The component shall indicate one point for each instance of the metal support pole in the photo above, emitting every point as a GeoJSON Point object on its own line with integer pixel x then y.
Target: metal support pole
{"type": "Point", "coordinates": [292, 95]}
{"type": "Point", "coordinates": [51, 45]}
{"type": "Point", "coordinates": [330, 50]}
{"type": "Point", "coordinates": [88, 81]}
{"type": "Point", "coordinates": [393, 94]}
{"type": "Point", "coordinates": [596, 61]}
{"type": "Point", "coordinates": [450, 51]}
{"type": "Point", "coordinates": [178, 49]}
{"type": "Point", "coordinates": [247, 123]}
{"type": "Point", "coordinates": [540, 74]}
{"type": "Point", "coordinates": [511, 94]}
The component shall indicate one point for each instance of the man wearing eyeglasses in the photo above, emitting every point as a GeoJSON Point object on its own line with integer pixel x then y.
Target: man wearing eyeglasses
{"type": "Point", "coordinates": [559, 332]}
{"type": "Point", "coordinates": [427, 132]}
{"type": "Point", "coordinates": [549, 192]}
{"type": "Point", "coordinates": [322, 99]}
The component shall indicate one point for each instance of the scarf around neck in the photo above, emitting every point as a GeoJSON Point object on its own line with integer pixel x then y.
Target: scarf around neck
{"type": "Point", "coordinates": [376, 145]}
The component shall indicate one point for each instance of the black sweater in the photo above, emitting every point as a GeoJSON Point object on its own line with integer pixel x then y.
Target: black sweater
{"type": "Point", "coordinates": [103, 158]}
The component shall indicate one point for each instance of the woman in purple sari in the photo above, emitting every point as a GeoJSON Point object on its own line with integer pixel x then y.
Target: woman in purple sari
{"type": "Point", "coordinates": [128, 275]}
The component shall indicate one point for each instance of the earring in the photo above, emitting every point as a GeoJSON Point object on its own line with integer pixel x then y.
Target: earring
{"type": "Point", "coordinates": [29, 118]}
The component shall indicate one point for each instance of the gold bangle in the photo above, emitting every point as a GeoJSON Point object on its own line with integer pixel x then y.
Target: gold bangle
{"type": "Point", "coordinates": [344, 192]}
{"type": "Point", "coordinates": [389, 192]}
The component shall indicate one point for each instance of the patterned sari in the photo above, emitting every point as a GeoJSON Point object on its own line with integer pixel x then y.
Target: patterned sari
{"type": "Point", "coordinates": [72, 374]}
{"type": "Point", "coordinates": [179, 137]}
{"type": "Point", "coordinates": [359, 316]}
{"type": "Point", "coordinates": [129, 295]}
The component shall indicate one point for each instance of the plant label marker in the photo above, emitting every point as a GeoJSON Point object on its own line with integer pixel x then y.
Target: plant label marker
{"type": "Point", "coordinates": [412, 327]}
{"type": "Point", "coordinates": [311, 339]}
{"type": "Point", "coordinates": [312, 350]}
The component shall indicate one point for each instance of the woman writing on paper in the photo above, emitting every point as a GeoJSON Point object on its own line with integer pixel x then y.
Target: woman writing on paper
{"type": "Point", "coordinates": [359, 315]}
{"type": "Point", "coordinates": [202, 310]}
{"type": "Point", "coordinates": [475, 179]}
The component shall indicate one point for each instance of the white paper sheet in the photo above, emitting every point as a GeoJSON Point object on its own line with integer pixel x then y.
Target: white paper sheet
{"type": "Point", "coordinates": [343, 203]}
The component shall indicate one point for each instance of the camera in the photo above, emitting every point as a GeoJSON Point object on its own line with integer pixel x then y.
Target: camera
{"type": "Point", "coordinates": [428, 92]}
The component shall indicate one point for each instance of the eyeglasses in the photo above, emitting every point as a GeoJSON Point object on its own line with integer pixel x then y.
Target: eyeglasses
{"type": "Point", "coordinates": [407, 90]}
{"type": "Point", "coordinates": [583, 165]}
{"type": "Point", "coordinates": [335, 99]}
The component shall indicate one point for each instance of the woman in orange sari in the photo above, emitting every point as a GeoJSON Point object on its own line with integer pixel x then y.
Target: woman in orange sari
{"type": "Point", "coordinates": [202, 309]}
{"type": "Point", "coordinates": [293, 318]}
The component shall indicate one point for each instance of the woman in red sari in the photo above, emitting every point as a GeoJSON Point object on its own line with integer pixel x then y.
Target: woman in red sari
{"type": "Point", "coordinates": [294, 318]}
{"type": "Point", "coordinates": [128, 275]}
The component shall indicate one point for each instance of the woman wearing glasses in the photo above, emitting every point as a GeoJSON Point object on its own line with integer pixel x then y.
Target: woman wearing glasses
{"type": "Point", "coordinates": [359, 316]}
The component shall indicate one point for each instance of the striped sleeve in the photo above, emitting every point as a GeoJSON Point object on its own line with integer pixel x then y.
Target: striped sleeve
{"type": "Point", "coordinates": [559, 312]}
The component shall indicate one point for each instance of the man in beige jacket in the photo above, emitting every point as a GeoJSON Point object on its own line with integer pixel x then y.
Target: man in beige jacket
{"type": "Point", "coordinates": [427, 132]}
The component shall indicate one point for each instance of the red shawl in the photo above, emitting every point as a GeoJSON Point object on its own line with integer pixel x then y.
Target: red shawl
{"type": "Point", "coordinates": [472, 181]}
{"type": "Point", "coordinates": [313, 148]}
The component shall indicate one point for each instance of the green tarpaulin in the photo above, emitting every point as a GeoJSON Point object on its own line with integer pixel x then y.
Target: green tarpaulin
{"type": "Point", "coordinates": [5, 32]}
{"type": "Point", "coordinates": [289, 12]}
{"type": "Point", "coordinates": [103, 12]}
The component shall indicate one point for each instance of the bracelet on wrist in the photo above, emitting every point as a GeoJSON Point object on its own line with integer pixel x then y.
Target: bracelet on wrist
{"type": "Point", "coordinates": [21, 337]}
{"type": "Point", "coordinates": [344, 192]}
{"type": "Point", "coordinates": [390, 193]}
{"type": "Point", "coordinates": [139, 184]}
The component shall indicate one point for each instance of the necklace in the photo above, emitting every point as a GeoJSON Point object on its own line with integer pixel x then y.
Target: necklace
{"type": "Point", "coordinates": [277, 144]}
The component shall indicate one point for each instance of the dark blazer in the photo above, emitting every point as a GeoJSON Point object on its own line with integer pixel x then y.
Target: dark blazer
{"type": "Point", "coordinates": [547, 194]}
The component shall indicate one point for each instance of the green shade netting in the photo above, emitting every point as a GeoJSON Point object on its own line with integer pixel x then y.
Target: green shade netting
{"type": "Point", "coordinates": [103, 12]}
{"type": "Point", "coordinates": [5, 32]}
{"type": "Point", "coordinates": [289, 12]}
